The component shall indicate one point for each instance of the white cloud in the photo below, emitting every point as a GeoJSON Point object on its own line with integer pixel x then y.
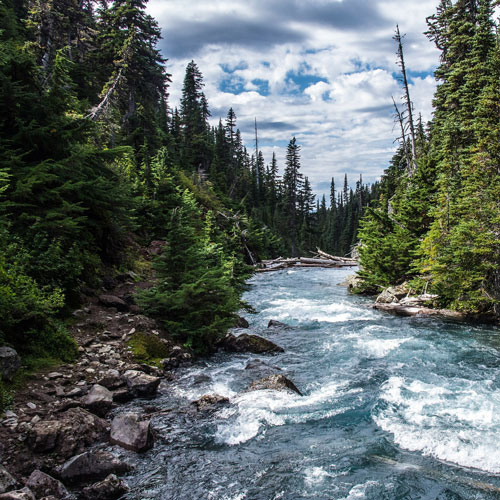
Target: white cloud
{"type": "Point", "coordinates": [328, 66]}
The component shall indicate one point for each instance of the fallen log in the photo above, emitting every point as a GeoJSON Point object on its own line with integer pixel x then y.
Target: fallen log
{"type": "Point", "coordinates": [334, 257]}
{"type": "Point", "coordinates": [402, 310]}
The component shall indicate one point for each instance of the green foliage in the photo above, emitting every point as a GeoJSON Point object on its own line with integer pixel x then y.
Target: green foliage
{"type": "Point", "coordinates": [5, 398]}
{"type": "Point", "coordinates": [198, 293]}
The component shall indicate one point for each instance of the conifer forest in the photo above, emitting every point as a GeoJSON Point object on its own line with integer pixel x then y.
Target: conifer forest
{"type": "Point", "coordinates": [112, 190]}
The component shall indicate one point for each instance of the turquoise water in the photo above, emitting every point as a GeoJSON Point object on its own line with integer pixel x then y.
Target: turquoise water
{"type": "Point", "coordinates": [392, 408]}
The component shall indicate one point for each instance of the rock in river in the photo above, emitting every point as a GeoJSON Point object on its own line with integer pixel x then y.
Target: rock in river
{"type": "Point", "coordinates": [278, 325]}
{"type": "Point", "coordinates": [72, 432]}
{"type": "Point", "coordinates": [249, 343]}
{"type": "Point", "coordinates": [140, 384]}
{"type": "Point", "coordinates": [210, 402]}
{"type": "Point", "coordinates": [43, 485]}
{"type": "Point", "coordinates": [99, 400]}
{"type": "Point", "coordinates": [91, 465]}
{"type": "Point", "coordinates": [131, 432]}
{"type": "Point", "coordinates": [110, 488]}
{"type": "Point", "coordinates": [276, 383]}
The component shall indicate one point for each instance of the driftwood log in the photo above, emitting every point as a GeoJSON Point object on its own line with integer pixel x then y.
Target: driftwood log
{"type": "Point", "coordinates": [322, 259]}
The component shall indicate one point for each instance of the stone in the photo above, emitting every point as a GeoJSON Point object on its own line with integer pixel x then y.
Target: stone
{"type": "Point", "coordinates": [110, 488]}
{"type": "Point", "coordinates": [131, 432]}
{"type": "Point", "coordinates": [7, 482]}
{"type": "Point", "coordinates": [54, 375]}
{"type": "Point", "coordinates": [43, 485]}
{"type": "Point", "coordinates": [210, 402]}
{"type": "Point", "coordinates": [275, 383]}
{"type": "Point", "coordinates": [31, 406]}
{"type": "Point", "coordinates": [10, 362]}
{"type": "Point", "coordinates": [111, 380]}
{"type": "Point", "coordinates": [140, 384]}
{"type": "Point", "coordinates": [24, 494]}
{"type": "Point", "coordinates": [113, 301]}
{"type": "Point", "coordinates": [71, 433]}
{"type": "Point", "coordinates": [122, 395]}
{"type": "Point", "coordinates": [249, 343]}
{"type": "Point", "coordinates": [278, 324]}
{"type": "Point", "coordinates": [392, 294]}
{"type": "Point", "coordinates": [242, 322]}
{"type": "Point", "coordinates": [91, 466]}
{"type": "Point", "coordinates": [99, 400]}
{"type": "Point", "coordinates": [260, 367]}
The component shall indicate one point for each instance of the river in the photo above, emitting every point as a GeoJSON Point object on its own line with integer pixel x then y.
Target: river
{"type": "Point", "coordinates": [393, 408]}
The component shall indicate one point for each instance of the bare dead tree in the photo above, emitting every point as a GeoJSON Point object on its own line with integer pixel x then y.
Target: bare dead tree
{"type": "Point", "coordinates": [400, 118]}
{"type": "Point", "coordinates": [408, 104]}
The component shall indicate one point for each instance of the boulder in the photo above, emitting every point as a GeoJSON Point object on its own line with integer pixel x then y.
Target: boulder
{"type": "Point", "coordinates": [7, 482]}
{"type": "Point", "coordinates": [132, 432]}
{"type": "Point", "coordinates": [353, 283]}
{"type": "Point", "coordinates": [24, 494]}
{"type": "Point", "coordinates": [140, 384]}
{"type": "Point", "coordinates": [275, 383]}
{"type": "Point", "coordinates": [241, 322]}
{"type": "Point", "coordinates": [122, 395]}
{"type": "Point", "coordinates": [210, 402]}
{"type": "Point", "coordinates": [113, 301]}
{"type": "Point", "coordinates": [249, 343]}
{"type": "Point", "coordinates": [111, 380]}
{"type": "Point", "coordinates": [43, 485]}
{"type": "Point", "coordinates": [110, 488]}
{"type": "Point", "coordinates": [392, 294]}
{"type": "Point", "coordinates": [91, 465]}
{"type": "Point", "coordinates": [99, 400]}
{"type": "Point", "coordinates": [258, 366]}
{"type": "Point", "coordinates": [278, 324]}
{"type": "Point", "coordinates": [10, 362]}
{"type": "Point", "coordinates": [69, 434]}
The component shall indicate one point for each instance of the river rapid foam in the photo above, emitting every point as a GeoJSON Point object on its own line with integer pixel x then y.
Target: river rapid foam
{"type": "Point", "coordinates": [392, 408]}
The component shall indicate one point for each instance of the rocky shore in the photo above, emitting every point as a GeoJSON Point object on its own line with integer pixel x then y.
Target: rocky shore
{"type": "Point", "coordinates": [66, 434]}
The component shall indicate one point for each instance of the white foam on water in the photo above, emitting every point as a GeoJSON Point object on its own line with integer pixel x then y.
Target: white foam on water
{"type": "Point", "coordinates": [458, 423]}
{"type": "Point", "coordinates": [315, 475]}
{"type": "Point", "coordinates": [251, 412]}
{"type": "Point", "coordinates": [315, 310]}
{"type": "Point", "coordinates": [360, 490]}
{"type": "Point", "coordinates": [379, 348]}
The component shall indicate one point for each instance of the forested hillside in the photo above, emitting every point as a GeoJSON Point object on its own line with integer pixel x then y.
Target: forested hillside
{"type": "Point", "coordinates": [95, 163]}
{"type": "Point", "coordinates": [437, 223]}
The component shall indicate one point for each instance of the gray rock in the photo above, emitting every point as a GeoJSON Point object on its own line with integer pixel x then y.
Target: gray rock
{"type": "Point", "coordinates": [68, 434]}
{"type": "Point", "coordinates": [43, 485]}
{"type": "Point", "coordinates": [91, 465]}
{"type": "Point", "coordinates": [113, 301]}
{"type": "Point", "coordinates": [24, 494]}
{"type": "Point", "coordinates": [210, 402]}
{"type": "Point", "coordinates": [131, 432]}
{"type": "Point", "coordinates": [122, 395]}
{"type": "Point", "coordinates": [10, 362]}
{"type": "Point", "coordinates": [249, 343]}
{"type": "Point", "coordinates": [111, 380]}
{"type": "Point", "coordinates": [278, 324]}
{"type": "Point", "coordinates": [242, 322]}
{"type": "Point", "coordinates": [7, 482]}
{"type": "Point", "coordinates": [99, 400]}
{"type": "Point", "coordinates": [140, 384]}
{"type": "Point", "coordinates": [110, 488]}
{"type": "Point", "coordinates": [392, 294]}
{"type": "Point", "coordinates": [257, 366]}
{"type": "Point", "coordinates": [275, 383]}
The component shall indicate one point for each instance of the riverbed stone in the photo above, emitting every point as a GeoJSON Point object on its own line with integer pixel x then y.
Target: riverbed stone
{"type": "Point", "coordinates": [241, 322]}
{"type": "Point", "coordinates": [132, 432]}
{"type": "Point", "coordinates": [67, 434]}
{"type": "Point", "coordinates": [99, 400]}
{"type": "Point", "coordinates": [274, 324]}
{"type": "Point", "coordinates": [210, 402]}
{"type": "Point", "coordinates": [91, 465]}
{"type": "Point", "coordinates": [276, 383]}
{"type": "Point", "coordinates": [110, 488]}
{"type": "Point", "coordinates": [23, 494]}
{"type": "Point", "coordinates": [111, 380]}
{"type": "Point", "coordinates": [249, 343]}
{"type": "Point", "coordinates": [140, 384]}
{"type": "Point", "coordinates": [7, 482]}
{"type": "Point", "coordinates": [43, 485]}
{"type": "Point", "coordinates": [10, 362]}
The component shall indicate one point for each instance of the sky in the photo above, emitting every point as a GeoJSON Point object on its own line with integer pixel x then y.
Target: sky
{"type": "Point", "coordinates": [323, 71]}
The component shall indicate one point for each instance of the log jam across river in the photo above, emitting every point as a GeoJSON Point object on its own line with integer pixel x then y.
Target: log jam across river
{"type": "Point", "coordinates": [392, 408]}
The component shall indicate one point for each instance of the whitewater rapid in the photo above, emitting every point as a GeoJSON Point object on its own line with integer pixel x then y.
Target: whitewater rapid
{"type": "Point", "coordinates": [392, 408]}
